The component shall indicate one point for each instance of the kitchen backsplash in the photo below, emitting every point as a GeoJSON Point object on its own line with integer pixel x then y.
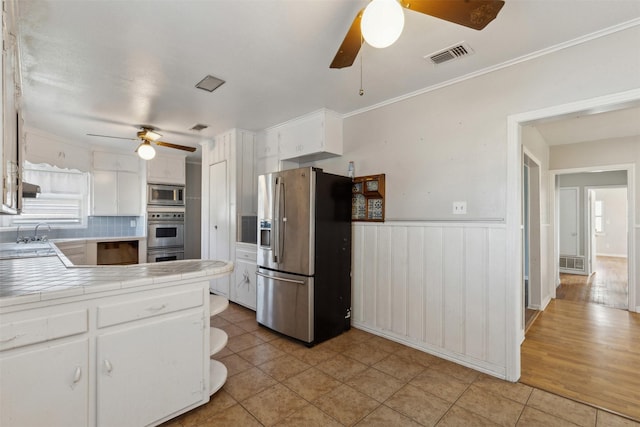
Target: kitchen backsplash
{"type": "Point", "coordinates": [97, 226]}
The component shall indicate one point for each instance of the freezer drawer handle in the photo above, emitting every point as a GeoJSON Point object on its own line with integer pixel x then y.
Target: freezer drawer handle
{"type": "Point", "coordinates": [281, 279]}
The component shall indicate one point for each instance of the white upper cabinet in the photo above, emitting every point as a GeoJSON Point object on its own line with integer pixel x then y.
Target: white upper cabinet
{"type": "Point", "coordinates": [167, 169]}
{"type": "Point", "coordinates": [312, 137]}
{"type": "Point", "coordinates": [267, 143]}
{"type": "Point", "coordinates": [116, 162]}
{"type": "Point", "coordinates": [116, 184]}
{"type": "Point", "coordinates": [41, 148]}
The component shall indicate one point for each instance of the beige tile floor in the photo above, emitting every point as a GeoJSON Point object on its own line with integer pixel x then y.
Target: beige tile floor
{"type": "Point", "coordinates": [360, 379]}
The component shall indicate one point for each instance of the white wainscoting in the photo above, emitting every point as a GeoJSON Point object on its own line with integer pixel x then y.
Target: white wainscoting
{"type": "Point", "coordinates": [436, 286]}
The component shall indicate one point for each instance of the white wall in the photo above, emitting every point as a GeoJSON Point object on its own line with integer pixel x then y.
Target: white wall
{"type": "Point", "coordinates": [613, 239]}
{"type": "Point", "coordinates": [450, 144]}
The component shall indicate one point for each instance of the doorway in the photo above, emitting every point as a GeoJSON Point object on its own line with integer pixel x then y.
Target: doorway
{"type": "Point", "coordinates": [514, 244]}
{"type": "Point", "coordinates": [606, 279]}
{"type": "Point", "coordinates": [593, 237]}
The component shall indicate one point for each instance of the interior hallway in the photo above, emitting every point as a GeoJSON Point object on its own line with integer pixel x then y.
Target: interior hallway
{"type": "Point", "coordinates": [360, 379]}
{"type": "Point", "coordinates": [608, 286]}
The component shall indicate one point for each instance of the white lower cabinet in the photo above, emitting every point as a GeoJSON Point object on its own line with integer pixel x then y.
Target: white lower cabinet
{"type": "Point", "coordinates": [46, 385]}
{"type": "Point", "coordinates": [143, 375]}
{"type": "Point", "coordinates": [243, 289]}
{"type": "Point", "coordinates": [126, 358]}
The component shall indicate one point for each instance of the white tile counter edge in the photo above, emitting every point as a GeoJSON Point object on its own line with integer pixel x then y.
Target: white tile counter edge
{"type": "Point", "coordinates": [89, 280]}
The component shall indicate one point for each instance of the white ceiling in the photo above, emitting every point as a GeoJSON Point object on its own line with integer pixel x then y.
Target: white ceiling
{"type": "Point", "coordinates": [586, 127]}
{"type": "Point", "coordinates": [107, 67]}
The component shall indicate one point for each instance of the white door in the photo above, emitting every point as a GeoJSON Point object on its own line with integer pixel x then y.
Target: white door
{"type": "Point", "coordinates": [105, 193]}
{"type": "Point", "coordinates": [149, 371]}
{"type": "Point", "coordinates": [129, 194]}
{"type": "Point", "coordinates": [48, 386]}
{"type": "Point", "coordinates": [219, 222]}
{"type": "Point", "coordinates": [569, 221]}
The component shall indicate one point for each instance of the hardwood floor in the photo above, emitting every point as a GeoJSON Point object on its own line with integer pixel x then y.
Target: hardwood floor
{"type": "Point", "coordinates": [587, 352]}
{"type": "Point", "coordinates": [607, 286]}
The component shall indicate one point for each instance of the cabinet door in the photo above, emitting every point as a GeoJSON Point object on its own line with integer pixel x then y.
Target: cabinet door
{"type": "Point", "coordinates": [302, 136]}
{"type": "Point", "coordinates": [267, 143]}
{"type": "Point", "coordinates": [129, 196]}
{"type": "Point", "coordinates": [244, 287]}
{"type": "Point", "coordinates": [149, 371]}
{"type": "Point", "coordinates": [105, 193]}
{"type": "Point", "coordinates": [115, 162]}
{"type": "Point", "coordinates": [166, 170]}
{"type": "Point", "coordinates": [47, 386]}
{"type": "Point", "coordinates": [105, 161]}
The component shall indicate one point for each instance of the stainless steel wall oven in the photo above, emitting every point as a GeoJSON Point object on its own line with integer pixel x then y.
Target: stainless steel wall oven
{"type": "Point", "coordinates": [165, 236]}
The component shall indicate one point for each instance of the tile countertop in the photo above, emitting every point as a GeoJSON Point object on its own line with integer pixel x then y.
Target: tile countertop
{"type": "Point", "coordinates": [27, 280]}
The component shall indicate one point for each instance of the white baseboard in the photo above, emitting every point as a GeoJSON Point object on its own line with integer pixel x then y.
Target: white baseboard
{"type": "Point", "coordinates": [469, 362]}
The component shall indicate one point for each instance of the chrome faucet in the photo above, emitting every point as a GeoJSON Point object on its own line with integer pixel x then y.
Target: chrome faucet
{"type": "Point", "coordinates": [20, 239]}
{"type": "Point", "coordinates": [43, 238]}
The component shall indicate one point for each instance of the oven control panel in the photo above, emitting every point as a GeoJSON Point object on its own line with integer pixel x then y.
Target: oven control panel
{"type": "Point", "coordinates": [166, 216]}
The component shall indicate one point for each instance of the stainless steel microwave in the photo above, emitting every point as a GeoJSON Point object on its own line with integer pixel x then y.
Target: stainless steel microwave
{"type": "Point", "coordinates": [165, 195]}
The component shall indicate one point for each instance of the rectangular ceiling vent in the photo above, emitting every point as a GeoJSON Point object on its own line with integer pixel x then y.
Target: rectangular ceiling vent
{"type": "Point", "coordinates": [198, 127]}
{"type": "Point", "coordinates": [449, 54]}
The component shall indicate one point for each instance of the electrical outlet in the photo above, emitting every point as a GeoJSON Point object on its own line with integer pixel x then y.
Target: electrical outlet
{"type": "Point", "coordinates": [132, 224]}
{"type": "Point", "coordinates": [459, 208]}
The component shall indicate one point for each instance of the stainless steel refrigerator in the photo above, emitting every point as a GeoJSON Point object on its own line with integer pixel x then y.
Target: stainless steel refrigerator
{"type": "Point", "coordinates": [304, 253]}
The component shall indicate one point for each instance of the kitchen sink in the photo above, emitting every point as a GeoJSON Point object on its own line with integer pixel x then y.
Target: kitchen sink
{"type": "Point", "coordinates": [26, 250]}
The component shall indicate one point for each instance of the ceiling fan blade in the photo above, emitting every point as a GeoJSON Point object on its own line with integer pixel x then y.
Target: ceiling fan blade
{"type": "Point", "coordinates": [176, 146]}
{"type": "Point", "coordinates": [348, 50]}
{"type": "Point", "coordinates": [113, 137]}
{"type": "Point", "coordinates": [474, 14]}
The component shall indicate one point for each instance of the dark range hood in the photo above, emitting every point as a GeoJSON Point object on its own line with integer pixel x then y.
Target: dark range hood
{"type": "Point", "coordinates": [29, 190]}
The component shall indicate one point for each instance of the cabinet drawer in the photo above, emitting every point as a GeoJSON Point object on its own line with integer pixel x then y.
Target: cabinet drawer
{"type": "Point", "coordinates": [114, 314]}
{"type": "Point", "coordinates": [245, 255]}
{"type": "Point", "coordinates": [40, 329]}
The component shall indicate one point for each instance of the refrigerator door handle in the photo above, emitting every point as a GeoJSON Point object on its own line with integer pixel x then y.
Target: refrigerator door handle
{"type": "Point", "coordinates": [276, 222]}
{"type": "Point", "coordinates": [280, 279]}
{"type": "Point", "coordinates": [277, 253]}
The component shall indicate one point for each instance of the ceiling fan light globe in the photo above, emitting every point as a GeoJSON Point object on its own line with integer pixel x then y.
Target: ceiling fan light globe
{"type": "Point", "coordinates": [382, 23]}
{"type": "Point", "coordinates": [146, 151]}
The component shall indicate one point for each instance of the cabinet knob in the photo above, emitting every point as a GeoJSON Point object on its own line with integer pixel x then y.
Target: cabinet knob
{"type": "Point", "coordinates": [108, 366]}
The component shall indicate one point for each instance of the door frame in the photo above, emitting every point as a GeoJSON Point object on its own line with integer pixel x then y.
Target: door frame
{"type": "Point", "coordinates": [534, 228]}
{"type": "Point", "coordinates": [513, 312]}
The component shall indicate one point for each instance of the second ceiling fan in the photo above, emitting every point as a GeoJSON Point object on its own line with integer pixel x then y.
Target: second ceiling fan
{"type": "Point", "coordinates": [474, 14]}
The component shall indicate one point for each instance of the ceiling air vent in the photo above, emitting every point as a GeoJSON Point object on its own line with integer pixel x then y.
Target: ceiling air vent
{"type": "Point", "coordinates": [209, 83]}
{"type": "Point", "coordinates": [198, 127]}
{"type": "Point", "coordinates": [449, 54]}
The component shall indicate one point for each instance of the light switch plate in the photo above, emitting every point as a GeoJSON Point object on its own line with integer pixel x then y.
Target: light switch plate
{"type": "Point", "coordinates": [459, 208]}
